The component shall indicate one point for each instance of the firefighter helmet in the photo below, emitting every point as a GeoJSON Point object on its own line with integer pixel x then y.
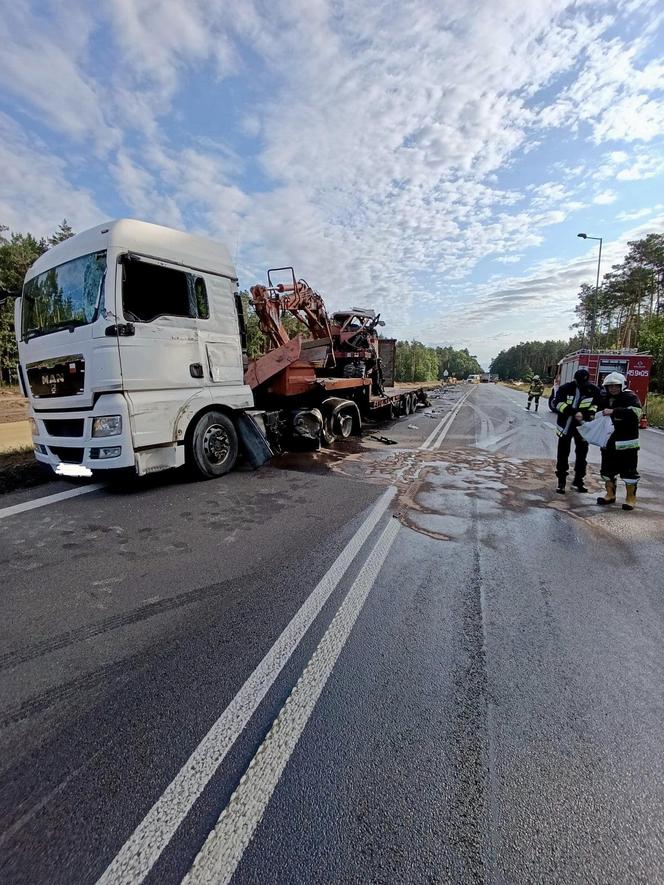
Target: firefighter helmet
{"type": "Point", "coordinates": [581, 376]}
{"type": "Point", "coordinates": [615, 378]}
{"type": "Point", "coordinates": [536, 377]}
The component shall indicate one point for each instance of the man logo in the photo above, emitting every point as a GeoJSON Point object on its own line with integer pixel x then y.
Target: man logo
{"type": "Point", "coordinates": [53, 380]}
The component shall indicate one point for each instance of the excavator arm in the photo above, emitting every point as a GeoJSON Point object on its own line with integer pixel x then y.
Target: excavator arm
{"type": "Point", "coordinates": [299, 299]}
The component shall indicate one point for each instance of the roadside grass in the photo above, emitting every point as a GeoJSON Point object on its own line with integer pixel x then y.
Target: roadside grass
{"type": "Point", "coordinates": [524, 388]}
{"type": "Point", "coordinates": [655, 409]}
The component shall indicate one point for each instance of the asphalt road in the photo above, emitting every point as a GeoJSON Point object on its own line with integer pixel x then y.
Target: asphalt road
{"type": "Point", "coordinates": [410, 663]}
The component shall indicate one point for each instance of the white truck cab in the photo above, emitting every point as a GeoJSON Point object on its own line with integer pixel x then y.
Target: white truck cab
{"type": "Point", "coordinates": [131, 340]}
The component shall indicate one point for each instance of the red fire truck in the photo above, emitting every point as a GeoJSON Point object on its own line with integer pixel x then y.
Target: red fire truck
{"type": "Point", "coordinates": [633, 365]}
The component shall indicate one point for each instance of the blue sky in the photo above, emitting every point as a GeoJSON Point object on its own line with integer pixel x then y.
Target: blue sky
{"type": "Point", "coordinates": [434, 159]}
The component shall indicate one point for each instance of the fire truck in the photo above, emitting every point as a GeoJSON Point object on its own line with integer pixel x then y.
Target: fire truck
{"type": "Point", "coordinates": [634, 365]}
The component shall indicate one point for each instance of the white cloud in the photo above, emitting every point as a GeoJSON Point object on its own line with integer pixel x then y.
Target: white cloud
{"type": "Point", "coordinates": [42, 65]}
{"type": "Point", "coordinates": [35, 194]}
{"type": "Point", "coordinates": [605, 198]}
{"type": "Point", "coordinates": [639, 213]}
{"type": "Point", "coordinates": [385, 129]}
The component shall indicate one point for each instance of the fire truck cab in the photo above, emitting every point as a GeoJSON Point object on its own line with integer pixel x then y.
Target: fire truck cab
{"type": "Point", "coordinates": [635, 366]}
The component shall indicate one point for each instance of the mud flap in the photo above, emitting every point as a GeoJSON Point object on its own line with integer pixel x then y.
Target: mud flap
{"type": "Point", "coordinates": [253, 441]}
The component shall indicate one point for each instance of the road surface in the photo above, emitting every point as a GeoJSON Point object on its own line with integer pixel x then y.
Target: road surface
{"type": "Point", "coordinates": [410, 663]}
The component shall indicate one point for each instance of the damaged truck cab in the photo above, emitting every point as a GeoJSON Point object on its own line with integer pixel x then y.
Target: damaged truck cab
{"type": "Point", "coordinates": [130, 346]}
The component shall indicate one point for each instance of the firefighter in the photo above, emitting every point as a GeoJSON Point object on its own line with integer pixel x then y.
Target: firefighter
{"type": "Point", "coordinates": [574, 402]}
{"type": "Point", "coordinates": [535, 392]}
{"type": "Point", "coordinates": [620, 456]}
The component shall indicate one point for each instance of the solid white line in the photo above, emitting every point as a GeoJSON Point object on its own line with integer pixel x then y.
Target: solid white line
{"type": "Point", "coordinates": [143, 848]}
{"type": "Point", "coordinates": [446, 429]}
{"type": "Point", "coordinates": [443, 421]}
{"type": "Point", "coordinates": [49, 499]}
{"type": "Point", "coordinates": [222, 852]}
{"type": "Point", "coordinates": [425, 444]}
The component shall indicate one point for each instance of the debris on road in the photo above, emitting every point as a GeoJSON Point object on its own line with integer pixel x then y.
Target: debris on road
{"type": "Point", "coordinates": [385, 440]}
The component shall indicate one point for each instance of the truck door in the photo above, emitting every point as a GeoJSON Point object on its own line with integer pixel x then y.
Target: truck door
{"type": "Point", "coordinates": [222, 337]}
{"type": "Point", "coordinates": [159, 350]}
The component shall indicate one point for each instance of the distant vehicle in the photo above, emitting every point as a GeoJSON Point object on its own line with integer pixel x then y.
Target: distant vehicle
{"type": "Point", "coordinates": [473, 379]}
{"type": "Point", "coordinates": [488, 378]}
{"type": "Point", "coordinates": [633, 365]}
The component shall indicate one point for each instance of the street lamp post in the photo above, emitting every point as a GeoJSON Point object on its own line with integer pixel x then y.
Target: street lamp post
{"type": "Point", "coordinates": [593, 318]}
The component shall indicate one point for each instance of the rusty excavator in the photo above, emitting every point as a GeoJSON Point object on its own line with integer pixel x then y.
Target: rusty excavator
{"type": "Point", "coordinates": [341, 347]}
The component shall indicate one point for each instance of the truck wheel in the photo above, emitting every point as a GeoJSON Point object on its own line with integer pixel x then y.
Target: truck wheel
{"type": "Point", "coordinates": [343, 425]}
{"type": "Point", "coordinates": [551, 406]}
{"type": "Point", "coordinates": [213, 446]}
{"type": "Point", "coordinates": [412, 403]}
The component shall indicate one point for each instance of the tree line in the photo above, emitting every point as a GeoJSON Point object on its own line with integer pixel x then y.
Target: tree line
{"type": "Point", "coordinates": [17, 253]}
{"type": "Point", "coordinates": [529, 358]}
{"type": "Point", "coordinates": [415, 361]}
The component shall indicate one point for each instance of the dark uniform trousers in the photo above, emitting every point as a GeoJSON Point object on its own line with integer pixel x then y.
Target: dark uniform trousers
{"type": "Point", "coordinates": [564, 446]}
{"type": "Point", "coordinates": [622, 463]}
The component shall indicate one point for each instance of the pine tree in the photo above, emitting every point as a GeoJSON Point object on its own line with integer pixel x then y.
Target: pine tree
{"type": "Point", "coordinates": [64, 232]}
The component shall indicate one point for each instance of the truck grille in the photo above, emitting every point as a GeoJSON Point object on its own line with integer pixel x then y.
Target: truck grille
{"type": "Point", "coordinates": [64, 426]}
{"type": "Point", "coordinates": [68, 455]}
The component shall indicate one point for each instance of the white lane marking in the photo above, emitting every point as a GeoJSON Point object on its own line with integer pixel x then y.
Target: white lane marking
{"type": "Point", "coordinates": [222, 852]}
{"type": "Point", "coordinates": [427, 444]}
{"type": "Point", "coordinates": [446, 429]}
{"type": "Point", "coordinates": [143, 848]}
{"type": "Point", "coordinates": [48, 499]}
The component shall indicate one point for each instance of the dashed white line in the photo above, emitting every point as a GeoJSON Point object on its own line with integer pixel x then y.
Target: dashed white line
{"type": "Point", "coordinates": [143, 848]}
{"type": "Point", "coordinates": [224, 847]}
{"type": "Point", "coordinates": [48, 499]}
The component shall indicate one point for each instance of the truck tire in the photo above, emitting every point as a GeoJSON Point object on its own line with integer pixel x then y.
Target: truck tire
{"type": "Point", "coordinates": [213, 446]}
{"type": "Point", "coordinates": [551, 399]}
{"type": "Point", "coordinates": [342, 425]}
{"type": "Point", "coordinates": [412, 403]}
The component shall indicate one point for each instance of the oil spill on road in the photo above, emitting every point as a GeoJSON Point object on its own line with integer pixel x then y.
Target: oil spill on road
{"type": "Point", "coordinates": [436, 489]}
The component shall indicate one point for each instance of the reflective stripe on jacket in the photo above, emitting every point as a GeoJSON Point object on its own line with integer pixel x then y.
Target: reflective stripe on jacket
{"type": "Point", "coordinates": [626, 416]}
{"type": "Point", "coordinates": [571, 399]}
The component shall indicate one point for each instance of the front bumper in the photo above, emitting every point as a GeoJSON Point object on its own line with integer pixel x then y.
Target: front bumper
{"type": "Point", "coordinates": [64, 439]}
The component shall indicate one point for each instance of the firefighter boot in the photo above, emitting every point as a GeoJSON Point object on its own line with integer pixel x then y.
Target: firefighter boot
{"type": "Point", "coordinates": [578, 484]}
{"type": "Point", "coordinates": [561, 487]}
{"type": "Point", "coordinates": [630, 502]}
{"type": "Point", "coordinates": [610, 496]}
{"type": "Point", "coordinates": [536, 407]}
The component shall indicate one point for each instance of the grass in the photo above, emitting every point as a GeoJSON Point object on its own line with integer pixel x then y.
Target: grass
{"type": "Point", "coordinates": [524, 388]}
{"type": "Point", "coordinates": [655, 411]}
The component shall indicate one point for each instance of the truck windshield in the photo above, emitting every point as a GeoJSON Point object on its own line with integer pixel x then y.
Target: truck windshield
{"type": "Point", "coordinates": [64, 296]}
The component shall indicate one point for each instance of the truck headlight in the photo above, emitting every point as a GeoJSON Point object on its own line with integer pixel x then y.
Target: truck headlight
{"type": "Point", "coordinates": [33, 427]}
{"type": "Point", "coordinates": [108, 425]}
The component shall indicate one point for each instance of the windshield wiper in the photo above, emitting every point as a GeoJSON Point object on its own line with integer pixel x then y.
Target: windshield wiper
{"type": "Point", "coordinates": [63, 324]}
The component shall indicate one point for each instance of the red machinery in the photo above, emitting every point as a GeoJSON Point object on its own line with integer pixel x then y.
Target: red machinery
{"type": "Point", "coordinates": [342, 352]}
